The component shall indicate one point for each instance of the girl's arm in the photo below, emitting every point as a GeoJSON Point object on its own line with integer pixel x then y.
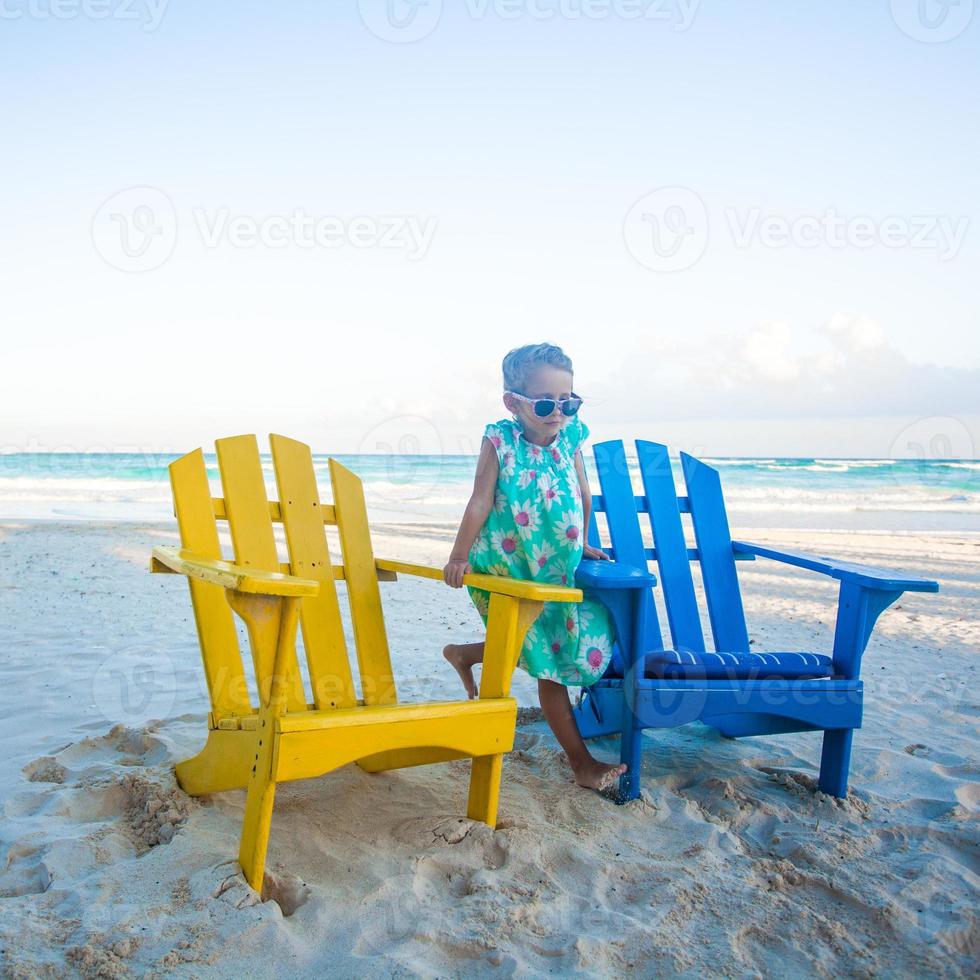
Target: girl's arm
{"type": "Point", "coordinates": [583, 482]}
{"type": "Point", "coordinates": [475, 515]}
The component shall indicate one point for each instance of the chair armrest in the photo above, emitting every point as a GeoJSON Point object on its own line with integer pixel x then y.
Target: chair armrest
{"type": "Point", "coordinates": [595, 573]}
{"type": "Point", "coordinates": [516, 587]}
{"type": "Point", "coordinates": [229, 575]}
{"type": "Point", "coordinates": [864, 575]}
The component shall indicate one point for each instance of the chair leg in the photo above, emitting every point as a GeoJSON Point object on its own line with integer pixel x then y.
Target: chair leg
{"type": "Point", "coordinates": [631, 629]}
{"type": "Point", "coordinates": [630, 753]}
{"type": "Point", "coordinates": [485, 789]}
{"type": "Point", "coordinates": [257, 824]}
{"type": "Point", "coordinates": [272, 633]}
{"type": "Point", "coordinates": [835, 761]}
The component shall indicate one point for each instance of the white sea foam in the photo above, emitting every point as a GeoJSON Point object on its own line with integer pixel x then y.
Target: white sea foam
{"type": "Point", "coordinates": [81, 489]}
{"type": "Point", "coordinates": [887, 494]}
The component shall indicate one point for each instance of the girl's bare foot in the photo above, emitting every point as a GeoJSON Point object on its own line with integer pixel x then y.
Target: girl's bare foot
{"type": "Point", "coordinates": [600, 776]}
{"type": "Point", "coordinates": [462, 666]}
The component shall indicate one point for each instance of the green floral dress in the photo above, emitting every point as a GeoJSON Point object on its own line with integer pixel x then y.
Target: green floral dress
{"type": "Point", "coordinates": [535, 531]}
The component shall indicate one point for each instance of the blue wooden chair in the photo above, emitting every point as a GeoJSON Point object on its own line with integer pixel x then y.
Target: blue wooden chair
{"type": "Point", "coordinates": [736, 690]}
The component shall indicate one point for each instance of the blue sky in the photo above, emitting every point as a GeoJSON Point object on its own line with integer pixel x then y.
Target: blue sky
{"type": "Point", "coordinates": [520, 143]}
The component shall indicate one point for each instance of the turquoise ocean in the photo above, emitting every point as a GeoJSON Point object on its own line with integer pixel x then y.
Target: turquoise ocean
{"type": "Point", "coordinates": [830, 494]}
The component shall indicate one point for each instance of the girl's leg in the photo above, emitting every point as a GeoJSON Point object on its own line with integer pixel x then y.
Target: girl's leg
{"type": "Point", "coordinates": [589, 772]}
{"type": "Point", "coordinates": [464, 656]}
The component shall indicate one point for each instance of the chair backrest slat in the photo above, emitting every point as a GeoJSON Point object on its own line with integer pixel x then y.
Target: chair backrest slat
{"type": "Point", "coordinates": [714, 544]}
{"type": "Point", "coordinates": [247, 507]}
{"type": "Point", "coordinates": [370, 640]}
{"type": "Point", "coordinates": [673, 562]}
{"type": "Point", "coordinates": [619, 503]}
{"type": "Point", "coordinates": [215, 624]}
{"type": "Point", "coordinates": [309, 557]}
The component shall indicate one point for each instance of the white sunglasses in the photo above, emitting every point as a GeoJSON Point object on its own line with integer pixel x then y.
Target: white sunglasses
{"type": "Point", "coordinates": [543, 407]}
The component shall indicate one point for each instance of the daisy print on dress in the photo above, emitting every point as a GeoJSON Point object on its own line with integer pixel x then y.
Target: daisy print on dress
{"type": "Point", "coordinates": [495, 436]}
{"type": "Point", "coordinates": [526, 478]}
{"type": "Point", "coordinates": [506, 543]}
{"type": "Point", "coordinates": [549, 489]}
{"type": "Point", "coordinates": [597, 650]}
{"type": "Point", "coordinates": [586, 615]}
{"type": "Point", "coordinates": [569, 530]}
{"type": "Point", "coordinates": [481, 600]}
{"type": "Point", "coordinates": [481, 545]}
{"type": "Point", "coordinates": [526, 517]}
{"type": "Point", "coordinates": [534, 453]}
{"type": "Point", "coordinates": [556, 640]}
{"type": "Point", "coordinates": [541, 554]}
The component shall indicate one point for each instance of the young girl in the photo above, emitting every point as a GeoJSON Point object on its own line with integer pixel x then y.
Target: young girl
{"type": "Point", "coordinates": [527, 518]}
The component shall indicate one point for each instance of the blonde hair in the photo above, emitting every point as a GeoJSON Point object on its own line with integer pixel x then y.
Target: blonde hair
{"type": "Point", "coordinates": [519, 364]}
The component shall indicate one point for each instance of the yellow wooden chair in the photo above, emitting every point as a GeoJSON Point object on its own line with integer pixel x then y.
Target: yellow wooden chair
{"type": "Point", "coordinates": [286, 736]}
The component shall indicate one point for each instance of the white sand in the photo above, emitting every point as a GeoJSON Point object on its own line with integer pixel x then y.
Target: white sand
{"type": "Point", "coordinates": [729, 865]}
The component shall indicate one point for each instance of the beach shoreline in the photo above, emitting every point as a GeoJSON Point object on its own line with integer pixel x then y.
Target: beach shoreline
{"type": "Point", "coordinates": [940, 495]}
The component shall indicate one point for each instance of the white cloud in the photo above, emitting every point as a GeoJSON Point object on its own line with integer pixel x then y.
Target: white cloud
{"type": "Point", "coordinates": [767, 351]}
{"type": "Point", "coordinates": [844, 368]}
{"type": "Point", "coordinates": [855, 333]}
